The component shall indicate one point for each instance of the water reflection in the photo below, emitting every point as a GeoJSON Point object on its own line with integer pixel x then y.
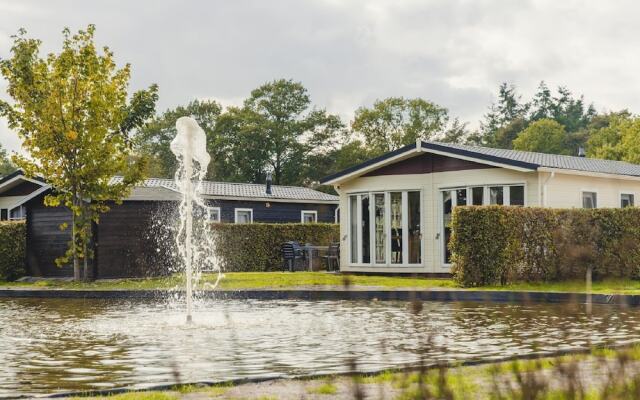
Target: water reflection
{"type": "Point", "coordinates": [60, 345]}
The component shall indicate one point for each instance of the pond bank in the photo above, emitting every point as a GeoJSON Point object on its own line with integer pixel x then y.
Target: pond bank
{"type": "Point", "coordinates": [596, 374]}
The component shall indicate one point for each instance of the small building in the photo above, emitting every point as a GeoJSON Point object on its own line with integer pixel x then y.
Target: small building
{"type": "Point", "coordinates": [397, 208]}
{"type": "Point", "coordinates": [15, 190]}
{"type": "Point", "coordinates": [125, 239]}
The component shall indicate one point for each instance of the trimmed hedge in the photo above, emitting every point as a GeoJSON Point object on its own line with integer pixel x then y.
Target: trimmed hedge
{"type": "Point", "coordinates": [256, 247]}
{"type": "Point", "coordinates": [12, 250]}
{"type": "Point", "coordinates": [501, 245]}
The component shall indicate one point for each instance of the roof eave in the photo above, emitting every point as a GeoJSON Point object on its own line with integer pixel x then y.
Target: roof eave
{"type": "Point", "coordinates": [589, 173]}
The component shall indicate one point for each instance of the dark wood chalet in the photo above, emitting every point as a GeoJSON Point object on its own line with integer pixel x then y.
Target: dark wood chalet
{"type": "Point", "coordinates": [126, 237]}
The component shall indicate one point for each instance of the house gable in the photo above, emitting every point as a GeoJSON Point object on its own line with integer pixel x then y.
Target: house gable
{"type": "Point", "coordinates": [426, 163]}
{"type": "Point", "coordinates": [21, 189]}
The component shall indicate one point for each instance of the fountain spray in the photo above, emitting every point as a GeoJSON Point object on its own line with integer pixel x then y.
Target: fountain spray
{"type": "Point", "coordinates": [189, 145]}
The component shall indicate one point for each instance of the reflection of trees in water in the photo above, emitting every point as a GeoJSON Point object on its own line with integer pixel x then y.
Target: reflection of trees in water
{"type": "Point", "coordinates": [538, 326]}
{"type": "Point", "coordinates": [64, 309]}
{"type": "Point", "coordinates": [74, 364]}
{"type": "Point", "coordinates": [56, 351]}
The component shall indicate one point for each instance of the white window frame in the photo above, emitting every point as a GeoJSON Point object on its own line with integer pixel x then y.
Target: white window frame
{"type": "Point", "coordinates": [629, 192]}
{"type": "Point", "coordinates": [217, 209]}
{"type": "Point", "coordinates": [315, 216]}
{"type": "Point", "coordinates": [235, 214]}
{"type": "Point", "coordinates": [23, 213]}
{"type": "Point", "coordinates": [583, 191]}
{"type": "Point", "coordinates": [387, 223]}
{"type": "Point", "coordinates": [506, 201]}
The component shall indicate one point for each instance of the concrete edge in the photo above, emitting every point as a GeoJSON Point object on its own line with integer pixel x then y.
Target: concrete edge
{"type": "Point", "coordinates": [327, 295]}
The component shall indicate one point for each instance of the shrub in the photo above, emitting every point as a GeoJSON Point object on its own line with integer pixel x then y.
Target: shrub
{"type": "Point", "coordinates": [12, 250]}
{"type": "Point", "coordinates": [500, 245]}
{"type": "Point", "coordinates": [256, 247]}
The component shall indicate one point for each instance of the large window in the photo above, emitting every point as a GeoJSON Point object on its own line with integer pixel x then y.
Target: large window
{"type": "Point", "coordinates": [354, 219]}
{"type": "Point", "coordinates": [396, 227]}
{"type": "Point", "coordinates": [512, 195]}
{"type": "Point", "coordinates": [589, 200]}
{"type": "Point", "coordinates": [627, 200]}
{"type": "Point", "coordinates": [380, 231]}
{"type": "Point", "coordinates": [385, 228]}
{"type": "Point", "coordinates": [366, 228]}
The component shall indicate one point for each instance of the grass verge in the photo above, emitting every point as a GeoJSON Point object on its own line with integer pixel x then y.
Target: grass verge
{"type": "Point", "coordinates": [285, 280]}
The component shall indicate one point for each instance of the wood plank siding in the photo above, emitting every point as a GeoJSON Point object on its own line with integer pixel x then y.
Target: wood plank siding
{"type": "Point", "coordinates": [45, 240]}
{"type": "Point", "coordinates": [277, 212]}
{"type": "Point", "coordinates": [23, 189]}
{"type": "Point", "coordinates": [132, 239]}
{"type": "Point", "coordinates": [427, 163]}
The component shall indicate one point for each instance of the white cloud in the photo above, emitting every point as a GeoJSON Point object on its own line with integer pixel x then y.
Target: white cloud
{"type": "Point", "coordinates": [348, 53]}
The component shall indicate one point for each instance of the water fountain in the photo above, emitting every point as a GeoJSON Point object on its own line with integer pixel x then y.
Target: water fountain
{"type": "Point", "coordinates": [194, 241]}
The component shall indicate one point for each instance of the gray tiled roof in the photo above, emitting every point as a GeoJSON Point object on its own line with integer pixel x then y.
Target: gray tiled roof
{"type": "Point", "coordinates": [241, 190]}
{"type": "Point", "coordinates": [548, 160]}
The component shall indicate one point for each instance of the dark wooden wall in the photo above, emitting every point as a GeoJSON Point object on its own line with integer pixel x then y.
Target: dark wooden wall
{"type": "Point", "coordinates": [130, 240]}
{"type": "Point", "coordinates": [276, 212]}
{"type": "Point", "coordinates": [426, 163]}
{"type": "Point", "coordinates": [45, 240]}
{"type": "Point", "coordinates": [133, 239]}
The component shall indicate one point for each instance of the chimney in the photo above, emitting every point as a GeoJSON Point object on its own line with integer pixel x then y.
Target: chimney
{"type": "Point", "coordinates": [268, 188]}
{"type": "Point", "coordinates": [581, 152]}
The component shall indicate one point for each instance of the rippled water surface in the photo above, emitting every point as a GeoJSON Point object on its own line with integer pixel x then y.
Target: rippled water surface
{"type": "Point", "coordinates": [49, 345]}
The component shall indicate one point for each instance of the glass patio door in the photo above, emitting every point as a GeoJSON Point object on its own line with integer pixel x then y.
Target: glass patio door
{"type": "Point", "coordinates": [385, 228]}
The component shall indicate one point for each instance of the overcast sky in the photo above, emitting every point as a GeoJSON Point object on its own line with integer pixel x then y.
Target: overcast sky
{"type": "Point", "coordinates": [349, 53]}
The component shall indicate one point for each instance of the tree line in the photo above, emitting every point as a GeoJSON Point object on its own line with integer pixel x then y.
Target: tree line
{"type": "Point", "coordinates": [278, 129]}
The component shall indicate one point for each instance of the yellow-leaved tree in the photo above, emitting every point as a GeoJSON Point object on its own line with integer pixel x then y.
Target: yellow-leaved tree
{"type": "Point", "coordinates": [74, 116]}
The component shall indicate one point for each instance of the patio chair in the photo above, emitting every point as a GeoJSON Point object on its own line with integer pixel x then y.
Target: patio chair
{"type": "Point", "coordinates": [291, 252]}
{"type": "Point", "coordinates": [332, 257]}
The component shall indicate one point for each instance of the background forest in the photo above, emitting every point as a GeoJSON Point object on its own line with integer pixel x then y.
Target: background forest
{"type": "Point", "coordinates": [278, 129]}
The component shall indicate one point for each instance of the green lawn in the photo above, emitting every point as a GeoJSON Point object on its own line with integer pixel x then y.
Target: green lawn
{"type": "Point", "coordinates": [249, 280]}
{"type": "Point", "coordinates": [263, 280]}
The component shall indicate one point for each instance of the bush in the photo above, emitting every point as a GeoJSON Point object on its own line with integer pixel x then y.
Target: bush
{"type": "Point", "coordinates": [12, 250]}
{"type": "Point", "coordinates": [501, 245]}
{"type": "Point", "coordinates": [256, 247]}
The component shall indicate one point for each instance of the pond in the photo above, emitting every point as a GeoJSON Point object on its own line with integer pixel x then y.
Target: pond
{"type": "Point", "coordinates": [57, 345]}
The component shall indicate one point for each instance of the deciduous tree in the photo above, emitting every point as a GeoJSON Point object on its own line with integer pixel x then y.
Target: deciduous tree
{"type": "Point", "coordinates": [277, 130]}
{"type": "Point", "coordinates": [73, 115]}
{"type": "Point", "coordinates": [543, 136]}
{"type": "Point", "coordinates": [394, 122]}
{"type": "Point", "coordinates": [154, 137]}
{"type": "Point", "coordinates": [6, 166]}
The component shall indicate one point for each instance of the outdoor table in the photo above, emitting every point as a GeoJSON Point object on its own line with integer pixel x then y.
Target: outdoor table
{"type": "Point", "coordinates": [310, 249]}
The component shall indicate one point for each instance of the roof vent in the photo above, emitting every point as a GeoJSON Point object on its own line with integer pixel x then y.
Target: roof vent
{"type": "Point", "coordinates": [268, 186]}
{"type": "Point", "coordinates": [581, 152]}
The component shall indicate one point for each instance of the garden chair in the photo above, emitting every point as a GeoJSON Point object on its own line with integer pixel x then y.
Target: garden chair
{"type": "Point", "coordinates": [332, 257]}
{"type": "Point", "coordinates": [291, 252]}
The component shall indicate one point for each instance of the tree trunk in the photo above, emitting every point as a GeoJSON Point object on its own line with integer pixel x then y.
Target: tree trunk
{"type": "Point", "coordinates": [74, 236]}
{"type": "Point", "coordinates": [86, 262]}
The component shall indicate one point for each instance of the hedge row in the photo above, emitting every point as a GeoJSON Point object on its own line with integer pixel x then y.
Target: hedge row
{"type": "Point", "coordinates": [256, 247]}
{"type": "Point", "coordinates": [500, 245]}
{"type": "Point", "coordinates": [12, 250]}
